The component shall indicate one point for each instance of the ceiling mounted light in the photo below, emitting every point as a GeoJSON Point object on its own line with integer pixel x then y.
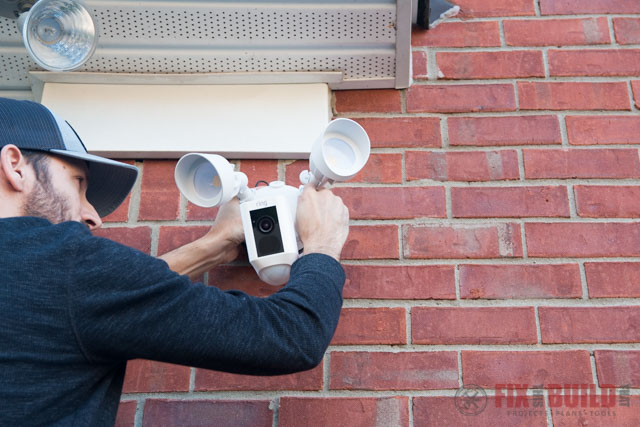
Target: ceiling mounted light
{"type": "Point", "coordinates": [60, 35]}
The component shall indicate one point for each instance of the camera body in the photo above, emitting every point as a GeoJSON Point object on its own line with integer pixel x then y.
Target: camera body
{"type": "Point", "coordinates": [268, 220]}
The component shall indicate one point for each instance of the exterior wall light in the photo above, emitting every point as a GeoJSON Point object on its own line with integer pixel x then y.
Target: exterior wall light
{"type": "Point", "coordinates": [60, 35]}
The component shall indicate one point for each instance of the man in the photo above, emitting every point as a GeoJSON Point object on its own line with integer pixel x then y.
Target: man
{"type": "Point", "coordinates": [74, 307]}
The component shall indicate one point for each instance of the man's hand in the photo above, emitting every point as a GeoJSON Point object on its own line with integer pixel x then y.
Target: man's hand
{"type": "Point", "coordinates": [228, 226]}
{"type": "Point", "coordinates": [322, 221]}
{"type": "Point", "coordinates": [229, 223]}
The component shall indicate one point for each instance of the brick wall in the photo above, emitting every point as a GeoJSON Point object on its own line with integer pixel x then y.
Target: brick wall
{"type": "Point", "coordinates": [494, 238]}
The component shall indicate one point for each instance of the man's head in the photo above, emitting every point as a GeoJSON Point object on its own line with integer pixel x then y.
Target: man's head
{"type": "Point", "coordinates": [45, 170]}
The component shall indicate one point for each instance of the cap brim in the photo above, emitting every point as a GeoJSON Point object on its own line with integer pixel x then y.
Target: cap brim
{"type": "Point", "coordinates": [109, 181]}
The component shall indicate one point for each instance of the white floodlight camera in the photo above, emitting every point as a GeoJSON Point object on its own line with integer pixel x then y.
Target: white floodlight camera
{"type": "Point", "coordinates": [269, 212]}
{"type": "Point", "coordinates": [60, 35]}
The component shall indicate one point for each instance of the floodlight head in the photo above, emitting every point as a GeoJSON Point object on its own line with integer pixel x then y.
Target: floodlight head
{"type": "Point", "coordinates": [60, 35]}
{"type": "Point", "coordinates": [339, 153]}
{"type": "Point", "coordinates": [208, 180]}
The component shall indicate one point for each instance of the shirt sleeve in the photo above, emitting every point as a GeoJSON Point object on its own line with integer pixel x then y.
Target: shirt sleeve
{"type": "Point", "coordinates": [125, 304]}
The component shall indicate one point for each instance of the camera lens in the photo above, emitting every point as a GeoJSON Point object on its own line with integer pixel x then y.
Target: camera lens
{"type": "Point", "coordinates": [265, 224]}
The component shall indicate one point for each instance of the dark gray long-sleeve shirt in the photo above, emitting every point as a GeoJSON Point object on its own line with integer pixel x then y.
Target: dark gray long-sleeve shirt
{"type": "Point", "coordinates": [74, 308]}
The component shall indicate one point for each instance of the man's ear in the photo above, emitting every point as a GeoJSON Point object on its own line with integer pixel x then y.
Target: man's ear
{"type": "Point", "coordinates": [13, 165]}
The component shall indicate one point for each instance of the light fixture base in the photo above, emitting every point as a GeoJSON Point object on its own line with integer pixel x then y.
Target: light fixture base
{"type": "Point", "coordinates": [60, 35]}
{"type": "Point", "coordinates": [12, 9]}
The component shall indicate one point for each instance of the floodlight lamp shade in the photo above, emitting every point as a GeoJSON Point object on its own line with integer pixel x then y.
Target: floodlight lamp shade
{"type": "Point", "coordinates": [60, 35]}
{"type": "Point", "coordinates": [208, 180]}
{"type": "Point", "coordinates": [340, 152]}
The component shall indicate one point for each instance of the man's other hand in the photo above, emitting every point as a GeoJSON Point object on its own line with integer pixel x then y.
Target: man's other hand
{"type": "Point", "coordinates": [322, 221]}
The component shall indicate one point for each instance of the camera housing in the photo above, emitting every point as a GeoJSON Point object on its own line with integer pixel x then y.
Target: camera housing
{"type": "Point", "coordinates": [268, 220]}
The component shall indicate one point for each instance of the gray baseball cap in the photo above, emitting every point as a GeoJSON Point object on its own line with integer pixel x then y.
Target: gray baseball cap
{"type": "Point", "coordinates": [32, 126]}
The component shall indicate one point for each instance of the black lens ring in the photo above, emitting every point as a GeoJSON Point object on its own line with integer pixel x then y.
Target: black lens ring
{"type": "Point", "coordinates": [265, 224]}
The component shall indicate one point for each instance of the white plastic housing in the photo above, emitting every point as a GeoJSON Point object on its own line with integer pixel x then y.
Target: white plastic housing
{"type": "Point", "coordinates": [339, 153]}
{"type": "Point", "coordinates": [209, 180]}
{"type": "Point", "coordinates": [273, 269]}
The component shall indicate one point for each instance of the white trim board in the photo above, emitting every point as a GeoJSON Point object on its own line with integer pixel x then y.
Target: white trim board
{"type": "Point", "coordinates": [275, 121]}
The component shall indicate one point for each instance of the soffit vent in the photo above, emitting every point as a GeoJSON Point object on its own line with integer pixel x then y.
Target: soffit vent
{"type": "Point", "coordinates": [368, 41]}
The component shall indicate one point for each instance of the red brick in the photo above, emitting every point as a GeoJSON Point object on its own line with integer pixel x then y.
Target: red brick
{"type": "Point", "coordinates": [371, 242]}
{"type": "Point", "coordinates": [607, 201]}
{"type": "Point", "coordinates": [459, 34]}
{"type": "Point", "coordinates": [520, 281]}
{"type": "Point", "coordinates": [393, 371]}
{"type": "Point", "coordinates": [145, 376]}
{"type": "Point", "coordinates": [618, 416]}
{"type": "Point", "coordinates": [371, 326]}
{"type": "Point", "coordinates": [241, 278]}
{"type": "Point", "coordinates": [462, 165]}
{"type": "Point", "coordinates": [159, 195]}
{"type": "Point", "coordinates": [573, 163]}
{"type": "Point", "coordinates": [627, 30]}
{"type": "Point", "coordinates": [368, 101]}
{"type": "Point", "coordinates": [402, 131]}
{"type": "Point", "coordinates": [592, 62]}
{"type": "Point", "coordinates": [221, 381]}
{"type": "Point", "coordinates": [572, 7]}
{"type": "Point", "coordinates": [583, 239]}
{"type": "Point", "coordinates": [292, 172]}
{"type": "Point", "coordinates": [198, 213]}
{"type": "Point", "coordinates": [460, 98]}
{"type": "Point", "coordinates": [126, 415]}
{"type": "Point", "coordinates": [589, 324]}
{"type": "Point", "coordinates": [557, 32]}
{"type": "Point", "coordinates": [259, 170]}
{"type": "Point", "coordinates": [381, 168]}
{"type": "Point", "coordinates": [490, 65]}
{"type": "Point", "coordinates": [393, 202]}
{"type": "Point", "coordinates": [613, 279]}
{"type": "Point", "coordinates": [477, 325]}
{"type": "Point", "coordinates": [344, 411]}
{"type": "Point", "coordinates": [590, 130]}
{"type": "Point", "coordinates": [526, 368]}
{"type": "Point", "coordinates": [480, 8]}
{"type": "Point", "coordinates": [635, 85]}
{"type": "Point", "coordinates": [219, 413]}
{"type": "Point", "coordinates": [400, 282]}
{"type": "Point", "coordinates": [173, 237]}
{"type": "Point", "coordinates": [136, 237]}
{"type": "Point", "coordinates": [419, 65]}
{"type": "Point", "coordinates": [443, 411]}
{"type": "Point", "coordinates": [491, 202]}
{"type": "Point", "coordinates": [488, 131]}
{"type": "Point", "coordinates": [573, 96]}
{"type": "Point", "coordinates": [490, 241]}
{"type": "Point", "coordinates": [618, 368]}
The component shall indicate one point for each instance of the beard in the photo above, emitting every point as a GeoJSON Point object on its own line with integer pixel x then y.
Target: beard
{"type": "Point", "coordinates": [45, 202]}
